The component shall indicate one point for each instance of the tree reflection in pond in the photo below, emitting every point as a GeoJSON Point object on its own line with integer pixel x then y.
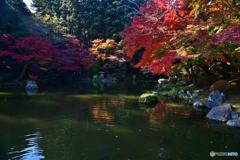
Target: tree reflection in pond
{"type": "Point", "coordinates": [100, 114]}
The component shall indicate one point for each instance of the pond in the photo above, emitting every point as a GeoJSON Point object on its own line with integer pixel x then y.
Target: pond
{"type": "Point", "coordinates": [105, 126]}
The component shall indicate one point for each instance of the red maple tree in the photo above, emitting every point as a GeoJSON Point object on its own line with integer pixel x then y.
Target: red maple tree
{"type": "Point", "coordinates": [195, 31]}
{"type": "Point", "coordinates": [155, 30]}
{"type": "Point", "coordinates": [36, 50]}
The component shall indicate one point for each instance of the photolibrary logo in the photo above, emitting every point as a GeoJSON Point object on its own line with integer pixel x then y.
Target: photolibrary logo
{"type": "Point", "coordinates": [223, 154]}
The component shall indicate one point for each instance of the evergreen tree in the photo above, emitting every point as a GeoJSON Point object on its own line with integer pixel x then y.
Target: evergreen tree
{"type": "Point", "coordinates": [10, 11]}
{"type": "Point", "coordinates": [87, 19]}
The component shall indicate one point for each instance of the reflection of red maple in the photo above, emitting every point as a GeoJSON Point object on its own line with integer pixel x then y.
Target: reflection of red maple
{"type": "Point", "coordinates": [159, 110]}
{"type": "Point", "coordinates": [100, 114]}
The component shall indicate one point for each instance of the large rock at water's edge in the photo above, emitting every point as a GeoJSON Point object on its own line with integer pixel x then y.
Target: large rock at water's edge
{"type": "Point", "coordinates": [148, 98]}
{"type": "Point", "coordinates": [215, 98]}
{"type": "Point", "coordinates": [235, 115]}
{"type": "Point", "coordinates": [233, 123]}
{"type": "Point", "coordinates": [221, 113]}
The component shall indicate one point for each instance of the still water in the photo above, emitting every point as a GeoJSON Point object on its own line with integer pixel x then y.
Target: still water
{"type": "Point", "coordinates": [105, 126]}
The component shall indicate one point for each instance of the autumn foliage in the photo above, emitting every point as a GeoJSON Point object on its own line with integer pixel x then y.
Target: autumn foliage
{"type": "Point", "coordinates": [109, 53]}
{"type": "Point", "coordinates": [154, 30]}
{"type": "Point", "coordinates": [37, 50]}
{"type": "Point", "coordinates": [199, 33]}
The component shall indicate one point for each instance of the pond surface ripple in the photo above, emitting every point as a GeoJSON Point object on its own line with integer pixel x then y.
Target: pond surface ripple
{"type": "Point", "coordinates": [72, 126]}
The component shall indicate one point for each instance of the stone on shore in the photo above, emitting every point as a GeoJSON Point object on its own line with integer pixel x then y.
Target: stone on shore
{"type": "Point", "coordinates": [215, 98]}
{"type": "Point", "coordinates": [221, 113]}
{"type": "Point", "coordinates": [233, 123]}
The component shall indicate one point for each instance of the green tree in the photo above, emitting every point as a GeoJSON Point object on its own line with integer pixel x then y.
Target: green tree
{"type": "Point", "coordinates": [10, 11]}
{"type": "Point", "coordinates": [87, 19]}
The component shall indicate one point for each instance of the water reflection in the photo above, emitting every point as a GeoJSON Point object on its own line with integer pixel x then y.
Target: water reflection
{"type": "Point", "coordinates": [159, 111]}
{"type": "Point", "coordinates": [167, 113]}
{"type": "Point", "coordinates": [107, 110]}
{"type": "Point", "coordinates": [95, 127]}
{"type": "Point", "coordinates": [100, 114]}
{"type": "Point", "coordinates": [31, 152]}
{"type": "Point", "coordinates": [32, 92]}
{"type": "Point", "coordinates": [162, 109]}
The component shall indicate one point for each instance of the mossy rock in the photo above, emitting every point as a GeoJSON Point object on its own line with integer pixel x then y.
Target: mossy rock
{"type": "Point", "coordinates": [147, 98]}
{"type": "Point", "coordinates": [169, 93]}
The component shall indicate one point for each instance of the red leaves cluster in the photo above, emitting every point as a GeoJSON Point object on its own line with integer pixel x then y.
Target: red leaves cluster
{"type": "Point", "coordinates": [109, 52]}
{"type": "Point", "coordinates": [163, 65]}
{"type": "Point", "coordinates": [72, 57]}
{"type": "Point", "coordinates": [38, 49]}
{"type": "Point", "coordinates": [155, 30]}
{"type": "Point", "coordinates": [169, 28]}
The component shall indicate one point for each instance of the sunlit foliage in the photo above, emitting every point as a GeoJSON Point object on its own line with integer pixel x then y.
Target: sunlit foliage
{"type": "Point", "coordinates": [199, 34]}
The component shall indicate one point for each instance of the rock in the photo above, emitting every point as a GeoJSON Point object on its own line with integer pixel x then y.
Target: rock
{"type": "Point", "coordinates": [233, 123]}
{"type": "Point", "coordinates": [169, 93]}
{"type": "Point", "coordinates": [31, 88]}
{"type": "Point", "coordinates": [189, 94]}
{"type": "Point", "coordinates": [31, 85]}
{"type": "Point", "coordinates": [148, 98]}
{"type": "Point", "coordinates": [220, 85]}
{"type": "Point", "coordinates": [183, 95]}
{"type": "Point", "coordinates": [198, 104]}
{"type": "Point", "coordinates": [215, 98]}
{"type": "Point", "coordinates": [195, 96]}
{"type": "Point", "coordinates": [221, 113]}
{"type": "Point", "coordinates": [235, 115]}
{"type": "Point", "coordinates": [162, 81]}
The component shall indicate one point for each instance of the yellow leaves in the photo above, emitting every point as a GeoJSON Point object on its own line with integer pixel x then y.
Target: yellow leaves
{"type": "Point", "coordinates": [99, 45]}
{"type": "Point", "coordinates": [182, 51]}
{"type": "Point", "coordinates": [96, 42]}
{"type": "Point", "coordinates": [220, 29]}
{"type": "Point", "coordinates": [195, 10]}
{"type": "Point", "coordinates": [111, 41]}
{"type": "Point", "coordinates": [187, 52]}
{"type": "Point", "coordinates": [237, 49]}
{"type": "Point", "coordinates": [192, 28]}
